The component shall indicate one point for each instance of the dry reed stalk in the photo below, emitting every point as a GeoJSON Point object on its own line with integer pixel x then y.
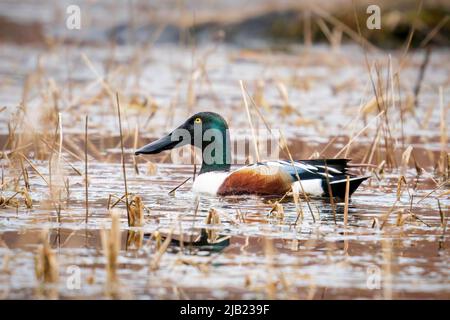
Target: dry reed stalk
{"type": "Point", "coordinates": [387, 269]}
{"type": "Point", "coordinates": [434, 32]}
{"type": "Point", "coordinates": [212, 219]}
{"type": "Point", "coordinates": [258, 95]}
{"type": "Point", "coordinates": [258, 112]}
{"type": "Point", "coordinates": [284, 143]}
{"type": "Point", "coordinates": [197, 206]}
{"type": "Point", "coordinates": [100, 78]}
{"type": "Point", "coordinates": [34, 168]}
{"type": "Point", "coordinates": [410, 35]}
{"type": "Point", "coordinates": [156, 260]}
{"type": "Point", "coordinates": [401, 181]}
{"type": "Point", "coordinates": [180, 230]}
{"type": "Point", "coordinates": [191, 95]}
{"type": "Point", "coordinates": [278, 211]}
{"type": "Point", "coordinates": [151, 168]}
{"type": "Point", "coordinates": [405, 160]}
{"type": "Point", "coordinates": [347, 196]}
{"type": "Point", "coordinates": [358, 134]}
{"type": "Point", "coordinates": [344, 128]}
{"type": "Point", "coordinates": [78, 172]}
{"type": "Point", "coordinates": [10, 202]}
{"type": "Point", "coordinates": [158, 239]}
{"type": "Point", "coordinates": [433, 191]}
{"type": "Point", "coordinates": [194, 174]}
{"type": "Point", "coordinates": [400, 221]}
{"type": "Point", "coordinates": [443, 159]}
{"type": "Point", "coordinates": [334, 36]}
{"type": "Point", "coordinates": [287, 106]}
{"type": "Point", "coordinates": [136, 140]}
{"type": "Point", "coordinates": [422, 69]}
{"type": "Point", "coordinates": [46, 263]}
{"type": "Point", "coordinates": [86, 174]}
{"type": "Point", "coordinates": [135, 238]}
{"type": "Point", "coordinates": [240, 215]}
{"type": "Point", "coordinates": [25, 175]}
{"type": "Point", "coordinates": [95, 153]}
{"type": "Point", "coordinates": [136, 212]}
{"type": "Point", "coordinates": [271, 284]}
{"type": "Point", "coordinates": [356, 36]}
{"type": "Point", "coordinates": [172, 192]}
{"type": "Point", "coordinates": [330, 192]}
{"type": "Point", "coordinates": [27, 199]}
{"type": "Point", "coordinates": [108, 204]}
{"type": "Point", "coordinates": [442, 216]}
{"type": "Point", "coordinates": [123, 158]}
{"type": "Point", "coordinates": [119, 199]}
{"type": "Point", "coordinates": [307, 28]}
{"type": "Point", "coordinates": [249, 118]}
{"type": "Point", "coordinates": [387, 214]}
{"type": "Point", "coordinates": [55, 170]}
{"type": "Point", "coordinates": [298, 208]}
{"type": "Point", "coordinates": [72, 145]}
{"type": "Point", "coordinates": [373, 151]}
{"type": "Point", "coordinates": [5, 154]}
{"type": "Point", "coordinates": [111, 240]}
{"type": "Point", "coordinates": [381, 104]}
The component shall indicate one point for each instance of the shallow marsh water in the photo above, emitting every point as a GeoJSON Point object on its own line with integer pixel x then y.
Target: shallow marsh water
{"type": "Point", "coordinates": [262, 255]}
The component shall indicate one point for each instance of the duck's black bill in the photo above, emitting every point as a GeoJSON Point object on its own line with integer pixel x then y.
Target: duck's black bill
{"type": "Point", "coordinates": [157, 146]}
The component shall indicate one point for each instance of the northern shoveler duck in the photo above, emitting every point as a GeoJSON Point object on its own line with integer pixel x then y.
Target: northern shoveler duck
{"type": "Point", "coordinates": [262, 178]}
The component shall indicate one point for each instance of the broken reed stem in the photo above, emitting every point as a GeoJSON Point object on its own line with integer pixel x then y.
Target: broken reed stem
{"type": "Point", "coordinates": [86, 175]}
{"type": "Point", "coordinates": [249, 117]}
{"type": "Point", "coordinates": [123, 158]}
{"type": "Point", "coordinates": [213, 219]}
{"type": "Point", "coordinates": [136, 212]}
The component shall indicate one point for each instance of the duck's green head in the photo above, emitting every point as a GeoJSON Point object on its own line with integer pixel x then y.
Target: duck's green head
{"type": "Point", "coordinates": [205, 130]}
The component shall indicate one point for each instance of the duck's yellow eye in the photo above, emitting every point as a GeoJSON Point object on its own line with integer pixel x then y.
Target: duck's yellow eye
{"type": "Point", "coordinates": [198, 120]}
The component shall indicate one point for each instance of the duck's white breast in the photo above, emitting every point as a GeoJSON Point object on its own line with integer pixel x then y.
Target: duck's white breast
{"type": "Point", "coordinates": [209, 182]}
{"type": "Point", "coordinates": [310, 186]}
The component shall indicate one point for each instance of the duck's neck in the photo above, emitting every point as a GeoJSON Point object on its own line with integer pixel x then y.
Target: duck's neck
{"type": "Point", "coordinates": [216, 154]}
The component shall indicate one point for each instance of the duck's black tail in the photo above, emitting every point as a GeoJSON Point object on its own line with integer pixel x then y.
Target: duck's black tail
{"type": "Point", "coordinates": [338, 185]}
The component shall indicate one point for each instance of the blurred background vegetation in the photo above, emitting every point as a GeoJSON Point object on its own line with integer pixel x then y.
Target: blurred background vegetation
{"type": "Point", "coordinates": [245, 23]}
